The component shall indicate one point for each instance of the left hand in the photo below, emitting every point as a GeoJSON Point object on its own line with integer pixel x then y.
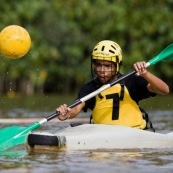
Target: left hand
{"type": "Point", "coordinates": [140, 68]}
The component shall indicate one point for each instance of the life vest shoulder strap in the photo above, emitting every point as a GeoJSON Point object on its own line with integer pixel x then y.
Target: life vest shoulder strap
{"type": "Point", "coordinates": [149, 124]}
{"type": "Point", "coordinates": [122, 83]}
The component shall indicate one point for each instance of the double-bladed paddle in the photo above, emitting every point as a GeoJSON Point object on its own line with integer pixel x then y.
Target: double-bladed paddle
{"type": "Point", "coordinates": [16, 135]}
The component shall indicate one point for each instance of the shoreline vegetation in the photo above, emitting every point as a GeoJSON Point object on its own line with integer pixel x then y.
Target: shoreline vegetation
{"type": "Point", "coordinates": [50, 102]}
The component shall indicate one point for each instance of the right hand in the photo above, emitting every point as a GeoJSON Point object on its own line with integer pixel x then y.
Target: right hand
{"type": "Point", "coordinates": [64, 112]}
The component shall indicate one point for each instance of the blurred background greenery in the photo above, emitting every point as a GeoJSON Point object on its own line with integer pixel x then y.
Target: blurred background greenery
{"type": "Point", "coordinates": [64, 32]}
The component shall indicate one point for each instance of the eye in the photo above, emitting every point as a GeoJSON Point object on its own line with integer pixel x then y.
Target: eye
{"type": "Point", "coordinates": [97, 65]}
{"type": "Point", "coordinates": [107, 65]}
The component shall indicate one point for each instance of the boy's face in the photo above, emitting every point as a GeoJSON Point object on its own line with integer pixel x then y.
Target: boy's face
{"type": "Point", "coordinates": [105, 70]}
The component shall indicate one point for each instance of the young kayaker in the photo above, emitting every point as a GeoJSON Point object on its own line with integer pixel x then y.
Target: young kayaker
{"type": "Point", "coordinates": [117, 105]}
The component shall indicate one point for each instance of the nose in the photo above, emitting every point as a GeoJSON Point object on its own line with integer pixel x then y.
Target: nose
{"type": "Point", "coordinates": [102, 69]}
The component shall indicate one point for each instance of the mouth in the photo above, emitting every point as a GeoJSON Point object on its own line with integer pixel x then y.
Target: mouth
{"type": "Point", "coordinates": [102, 78]}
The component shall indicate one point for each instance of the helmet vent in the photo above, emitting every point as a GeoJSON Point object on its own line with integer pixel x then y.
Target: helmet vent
{"type": "Point", "coordinates": [103, 47]}
{"type": "Point", "coordinates": [113, 47]}
{"type": "Point", "coordinates": [111, 51]}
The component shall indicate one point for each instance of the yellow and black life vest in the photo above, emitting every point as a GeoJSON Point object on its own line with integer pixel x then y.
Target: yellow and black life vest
{"type": "Point", "coordinates": [115, 106]}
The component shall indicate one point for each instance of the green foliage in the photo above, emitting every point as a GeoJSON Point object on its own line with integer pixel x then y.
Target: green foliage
{"type": "Point", "coordinates": [64, 33]}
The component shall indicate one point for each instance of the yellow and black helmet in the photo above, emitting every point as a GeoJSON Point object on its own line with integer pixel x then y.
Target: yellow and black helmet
{"type": "Point", "coordinates": [109, 51]}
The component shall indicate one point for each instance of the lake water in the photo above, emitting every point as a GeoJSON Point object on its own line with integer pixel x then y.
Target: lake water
{"type": "Point", "coordinates": [110, 161]}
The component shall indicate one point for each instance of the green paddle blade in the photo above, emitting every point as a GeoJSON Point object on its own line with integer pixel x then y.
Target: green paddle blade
{"type": "Point", "coordinates": [15, 135]}
{"type": "Point", "coordinates": [166, 54]}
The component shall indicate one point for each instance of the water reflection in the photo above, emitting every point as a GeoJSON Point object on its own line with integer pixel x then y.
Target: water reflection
{"type": "Point", "coordinates": [92, 161]}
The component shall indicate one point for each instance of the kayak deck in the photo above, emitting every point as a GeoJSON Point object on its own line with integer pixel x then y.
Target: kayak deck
{"type": "Point", "coordinates": [98, 136]}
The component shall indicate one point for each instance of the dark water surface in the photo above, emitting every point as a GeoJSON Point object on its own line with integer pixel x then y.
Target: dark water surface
{"type": "Point", "coordinates": [19, 160]}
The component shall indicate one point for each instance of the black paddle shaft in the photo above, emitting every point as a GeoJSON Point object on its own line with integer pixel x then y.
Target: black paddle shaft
{"type": "Point", "coordinates": [122, 77]}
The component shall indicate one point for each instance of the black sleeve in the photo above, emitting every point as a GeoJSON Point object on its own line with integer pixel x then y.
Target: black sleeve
{"type": "Point", "coordinates": [137, 87]}
{"type": "Point", "coordinates": [85, 90]}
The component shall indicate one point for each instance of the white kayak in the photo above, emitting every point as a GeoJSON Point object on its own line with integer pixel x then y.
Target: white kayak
{"type": "Point", "coordinates": [97, 136]}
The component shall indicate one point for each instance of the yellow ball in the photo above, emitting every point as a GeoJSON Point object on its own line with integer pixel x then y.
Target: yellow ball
{"type": "Point", "coordinates": [15, 41]}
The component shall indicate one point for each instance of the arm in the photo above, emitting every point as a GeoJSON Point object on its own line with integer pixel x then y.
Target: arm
{"type": "Point", "coordinates": [155, 84]}
{"type": "Point", "coordinates": [66, 113]}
